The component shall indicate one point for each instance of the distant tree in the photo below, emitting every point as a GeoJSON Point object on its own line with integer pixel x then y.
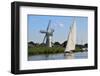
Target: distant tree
{"type": "Point", "coordinates": [31, 42]}
{"type": "Point", "coordinates": [36, 44]}
{"type": "Point", "coordinates": [79, 46]}
{"type": "Point", "coordinates": [64, 44]}
{"type": "Point", "coordinates": [42, 44]}
{"type": "Point", "coordinates": [86, 45]}
{"type": "Point", "coordinates": [56, 43]}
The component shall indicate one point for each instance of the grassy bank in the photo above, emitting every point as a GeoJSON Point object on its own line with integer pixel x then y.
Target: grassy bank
{"type": "Point", "coordinates": [46, 50]}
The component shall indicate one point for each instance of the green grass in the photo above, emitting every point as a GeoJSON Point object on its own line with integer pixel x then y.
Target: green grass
{"type": "Point", "coordinates": [47, 50]}
{"type": "Point", "coordinates": [44, 50]}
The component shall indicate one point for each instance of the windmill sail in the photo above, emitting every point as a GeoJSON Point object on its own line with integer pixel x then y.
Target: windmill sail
{"type": "Point", "coordinates": [48, 35]}
{"type": "Point", "coordinates": [71, 38]}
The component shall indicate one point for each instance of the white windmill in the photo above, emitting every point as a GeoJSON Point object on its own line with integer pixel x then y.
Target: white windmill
{"type": "Point", "coordinates": [48, 35]}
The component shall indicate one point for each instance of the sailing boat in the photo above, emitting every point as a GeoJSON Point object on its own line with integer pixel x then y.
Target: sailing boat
{"type": "Point", "coordinates": [70, 47]}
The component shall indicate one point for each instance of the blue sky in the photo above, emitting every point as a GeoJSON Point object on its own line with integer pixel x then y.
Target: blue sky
{"type": "Point", "coordinates": [61, 26]}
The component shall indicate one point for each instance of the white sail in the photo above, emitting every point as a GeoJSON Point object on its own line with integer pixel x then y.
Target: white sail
{"type": "Point", "coordinates": [71, 41]}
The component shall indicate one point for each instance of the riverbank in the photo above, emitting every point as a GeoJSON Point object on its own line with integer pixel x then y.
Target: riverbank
{"type": "Point", "coordinates": [47, 50]}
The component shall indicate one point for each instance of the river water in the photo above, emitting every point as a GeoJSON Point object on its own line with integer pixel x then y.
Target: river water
{"type": "Point", "coordinates": [78, 55]}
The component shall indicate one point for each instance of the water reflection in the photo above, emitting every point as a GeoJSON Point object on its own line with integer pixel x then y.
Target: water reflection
{"type": "Point", "coordinates": [79, 55]}
{"type": "Point", "coordinates": [69, 56]}
{"type": "Point", "coordinates": [46, 57]}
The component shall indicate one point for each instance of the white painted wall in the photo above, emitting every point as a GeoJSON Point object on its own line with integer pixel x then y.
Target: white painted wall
{"type": "Point", "coordinates": [5, 41]}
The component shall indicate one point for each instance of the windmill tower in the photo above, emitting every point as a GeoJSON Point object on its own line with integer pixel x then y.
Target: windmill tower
{"type": "Point", "coordinates": [48, 35]}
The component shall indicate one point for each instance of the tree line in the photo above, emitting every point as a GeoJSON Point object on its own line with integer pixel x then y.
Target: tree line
{"type": "Point", "coordinates": [55, 44]}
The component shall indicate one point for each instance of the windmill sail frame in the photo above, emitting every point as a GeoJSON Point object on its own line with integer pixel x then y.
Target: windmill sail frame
{"type": "Point", "coordinates": [48, 35]}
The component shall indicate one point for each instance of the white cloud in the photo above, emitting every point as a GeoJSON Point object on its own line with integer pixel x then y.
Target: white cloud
{"type": "Point", "coordinates": [61, 25]}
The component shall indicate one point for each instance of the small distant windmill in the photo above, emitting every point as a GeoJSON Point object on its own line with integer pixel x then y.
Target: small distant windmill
{"type": "Point", "coordinates": [48, 35]}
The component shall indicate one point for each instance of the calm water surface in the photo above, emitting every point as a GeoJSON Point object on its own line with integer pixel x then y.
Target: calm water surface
{"type": "Point", "coordinates": [78, 55]}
